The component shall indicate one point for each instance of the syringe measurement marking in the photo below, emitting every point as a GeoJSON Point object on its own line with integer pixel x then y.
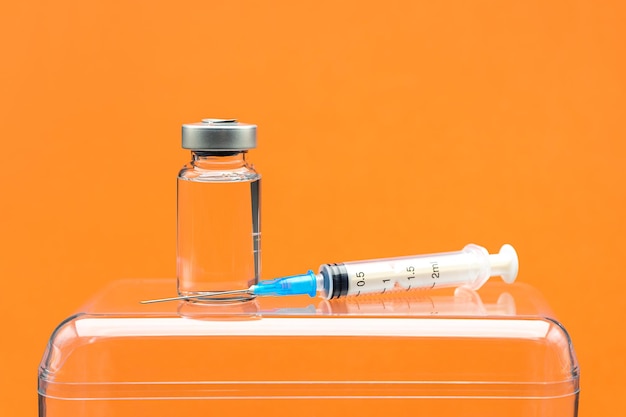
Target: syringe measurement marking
{"type": "Point", "coordinates": [410, 269]}
{"type": "Point", "coordinates": [435, 274]}
{"type": "Point", "coordinates": [411, 275]}
{"type": "Point", "coordinates": [361, 282]}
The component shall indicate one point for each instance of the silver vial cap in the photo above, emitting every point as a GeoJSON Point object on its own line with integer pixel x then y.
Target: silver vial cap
{"type": "Point", "coordinates": [219, 135]}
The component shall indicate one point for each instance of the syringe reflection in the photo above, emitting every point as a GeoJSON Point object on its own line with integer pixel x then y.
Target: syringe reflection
{"type": "Point", "coordinates": [464, 302]}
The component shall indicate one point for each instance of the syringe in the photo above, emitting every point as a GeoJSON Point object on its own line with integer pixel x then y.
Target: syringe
{"type": "Point", "coordinates": [469, 267]}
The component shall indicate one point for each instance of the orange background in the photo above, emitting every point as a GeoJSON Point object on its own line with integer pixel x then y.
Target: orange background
{"type": "Point", "coordinates": [385, 129]}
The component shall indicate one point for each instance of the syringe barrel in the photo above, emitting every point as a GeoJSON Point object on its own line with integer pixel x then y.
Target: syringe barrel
{"type": "Point", "coordinates": [469, 267]}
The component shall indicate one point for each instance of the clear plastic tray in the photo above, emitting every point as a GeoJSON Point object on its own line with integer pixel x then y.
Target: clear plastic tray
{"type": "Point", "coordinates": [496, 352]}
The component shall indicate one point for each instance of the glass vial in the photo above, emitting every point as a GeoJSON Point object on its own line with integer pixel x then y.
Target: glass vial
{"type": "Point", "coordinates": [218, 217]}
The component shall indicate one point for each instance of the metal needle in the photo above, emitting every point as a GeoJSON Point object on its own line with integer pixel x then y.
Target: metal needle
{"type": "Point", "coordinates": [208, 295]}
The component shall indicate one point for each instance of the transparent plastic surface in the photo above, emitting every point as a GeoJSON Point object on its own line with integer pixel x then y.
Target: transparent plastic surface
{"type": "Point", "coordinates": [218, 223]}
{"type": "Point", "coordinates": [494, 352]}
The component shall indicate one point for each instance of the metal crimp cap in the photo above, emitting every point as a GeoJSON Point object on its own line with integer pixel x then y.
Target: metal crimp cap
{"type": "Point", "coordinates": [219, 135]}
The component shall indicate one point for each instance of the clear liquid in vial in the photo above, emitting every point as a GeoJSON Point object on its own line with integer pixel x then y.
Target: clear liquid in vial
{"type": "Point", "coordinates": [218, 232]}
